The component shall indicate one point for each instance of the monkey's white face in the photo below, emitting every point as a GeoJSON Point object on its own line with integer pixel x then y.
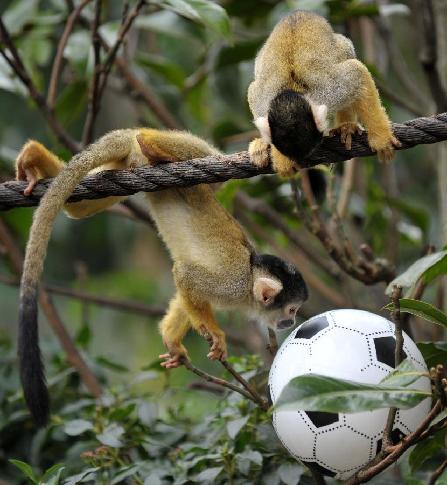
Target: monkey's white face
{"type": "Point", "coordinates": [281, 318]}
{"type": "Point", "coordinates": [265, 291]}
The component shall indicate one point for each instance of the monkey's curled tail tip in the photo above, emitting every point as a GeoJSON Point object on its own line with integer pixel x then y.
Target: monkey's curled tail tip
{"type": "Point", "coordinates": [31, 366]}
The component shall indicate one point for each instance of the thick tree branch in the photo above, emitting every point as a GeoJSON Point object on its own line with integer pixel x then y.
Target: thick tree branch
{"type": "Point", "coordinates": [218, 168]}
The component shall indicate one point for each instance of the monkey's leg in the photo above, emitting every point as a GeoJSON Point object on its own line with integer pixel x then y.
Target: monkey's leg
{"type": "Point", "coordinates": [173, 328]}
{"type": "Point", "coordinates": [35, 162]}
{"type": "Point", "coordinates": [345, 126]}
{"type": "Point", "coordinates": [369, 110]}
{"type": "Point", "coordinates": [202, 319]}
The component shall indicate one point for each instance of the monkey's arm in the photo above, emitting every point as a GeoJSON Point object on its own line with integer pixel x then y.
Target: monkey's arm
{"type": "Point", "coordinates": [348, 89]}
{"type": "Point", "coordinates": [36, 162]}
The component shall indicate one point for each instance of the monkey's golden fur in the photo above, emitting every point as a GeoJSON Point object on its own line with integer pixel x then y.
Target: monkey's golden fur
{"type": "Point", "coordinates": [305, 55]}
{"type": "Point", "coordinates": [210, 251]}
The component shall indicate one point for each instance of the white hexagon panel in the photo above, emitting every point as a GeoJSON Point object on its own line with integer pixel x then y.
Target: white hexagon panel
{"type": "Point", "coordinates": [346, 344]}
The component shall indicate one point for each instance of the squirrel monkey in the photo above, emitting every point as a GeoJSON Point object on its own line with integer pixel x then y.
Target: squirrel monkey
{"type": "Point", "coordinates": [304, 74]}
{"type": "Point", "coordinates": [215, 266]}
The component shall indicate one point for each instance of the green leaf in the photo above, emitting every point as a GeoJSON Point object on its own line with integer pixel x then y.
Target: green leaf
{"type": "Point", "coordinates": [89, 474]}
{"type": "Point", "coordinates": [208, 475]}
{"type": "Point", "coordinates": [421, 309]}
{"type": "Point", "coordinates": [52, 475]}
{"type": "Point", "coordinates": [77, 427]}
{"type": "Point", "coordinates": [25, 469]}
{"type": "Point", "coordinates": [290, 473]}
{"type": "Point", "coordinates": [210, 14]}
{"type": "Point", "coordinates": [433, 352]}
{"type": "Point", "coordinates": [404, 375]}
{"type": "Point", "coordinates": [321, 393]}
{"type": "Point", "coordinates": [109, 364]}
{"type": "Point", "coordinates": [234, 426]}
{"type": "Point", "coordinates": [170, 71]}
{"type": "Point", "coordinates": [111, 436]}
{"type": "Point", "coordinates": [18, 14]}
{"type": "Point", "coordinates": [425, 450]}
{"type": "Point", "coordinates": [419, 269]}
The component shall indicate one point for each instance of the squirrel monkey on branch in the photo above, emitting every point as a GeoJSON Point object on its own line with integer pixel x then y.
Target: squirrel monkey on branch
{"type": "Point", "coordinates": [304, 75]}
{"type": "Point", "coordinates": [215, 266]}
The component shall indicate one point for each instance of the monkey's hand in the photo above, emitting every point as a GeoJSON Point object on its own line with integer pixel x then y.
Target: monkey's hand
{"type": "Point", "coordinates": [34, 163]}
{"type": "Point", "coordinates": [175, 356]}
{"type": "Point", "coordinates": [345, 132]}
{"type": "Point", "coordinates": [217, 343]}
{"type": "Point", "coordinates": [259, 151]}
{"type": "Point", "coordinates": [384, 145]}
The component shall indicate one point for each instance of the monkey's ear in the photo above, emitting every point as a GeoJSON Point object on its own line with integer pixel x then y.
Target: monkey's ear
{"type": "Point", "coordinates": [262, 124]}
{"type": "Point", "coordinates": [320, 115]}
{"type": "Point", "coordinates": [265, 289]}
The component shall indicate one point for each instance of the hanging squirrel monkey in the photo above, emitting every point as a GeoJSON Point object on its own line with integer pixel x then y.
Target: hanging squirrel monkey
{"type": "Point", "coordinates": [215, 266]}
{"type": "Point", "coordinates": [304, 74]}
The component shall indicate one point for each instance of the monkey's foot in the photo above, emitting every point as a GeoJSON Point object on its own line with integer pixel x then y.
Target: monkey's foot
{"type": "Point", "coordinates": [282, 165]}
{"type": "Point", "coordinates": [259, 151]}
{"type": "Point", "coordinates": [216, 340]}
{"type": "Point", "coordinates": [384, 146]}
{"type": "Point", "coordinates": [31, 163]}
{"type": "Point", "coordinates": [175, 357]}
{"type": "Point", "coordinates": [345, 132]}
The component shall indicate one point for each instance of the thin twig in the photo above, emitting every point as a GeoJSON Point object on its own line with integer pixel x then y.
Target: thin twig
{"type": "Point", "coordinates": [272, 346]}
{"type": "Point", "coordinates": [368, 272]}
{"type": "Point", "coordinates": [137, 88]}
{"type": "Point", "coordinates": [429, 53]}
{"type": "Point", "coordinates": [437, 473]}
{"type": "Point", "coordinates": [74, 357]}
{"type": "Point", "coordinates": [438, 378]}
{"type": "Point", "coordinates": [346, 187]}
{"type": "Point", "coordinates": [216, 380]}
{"type": "Point", "coordinates": [260, 401]}
{"type": "Point", "coordinates": [16, 64]}
{"type": "Point", "coordinates": [117, 304]}
{"type": "Point", "coordinates": [309, 274]}
{"type": "Point", "coordinates": [94, 98]}
{"type": "Point", "coordinates": [110, 60]}
{"type": "Point", "coordinates": [274, 218]}
{"type": "Point", "coordinates": [398, 348]}
{"type": "Point", "coordinates": [57, 64]}
{"type": "Point", "coordinates": [393, 453]}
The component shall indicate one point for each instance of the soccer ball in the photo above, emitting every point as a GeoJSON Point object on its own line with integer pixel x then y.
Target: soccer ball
{"type": "Point", "coordinates": [346, 344]}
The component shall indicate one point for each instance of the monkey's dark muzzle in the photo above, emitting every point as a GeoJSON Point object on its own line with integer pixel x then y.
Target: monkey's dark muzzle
{"type": "Point", "coordinates": [283, 324]}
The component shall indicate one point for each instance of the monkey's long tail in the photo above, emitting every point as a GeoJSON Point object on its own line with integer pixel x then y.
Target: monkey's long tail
{"type": "Point", "coordinates": [114, 145]}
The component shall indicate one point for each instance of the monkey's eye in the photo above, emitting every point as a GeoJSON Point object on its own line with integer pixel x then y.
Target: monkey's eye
{"type": "Point", "coordinates": [292, 310]}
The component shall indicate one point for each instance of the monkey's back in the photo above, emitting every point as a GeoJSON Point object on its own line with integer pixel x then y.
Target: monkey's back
{"type": "Point", "coordinates": [198, 231]}
{"type": "Point", "coordinates": [302, 44]}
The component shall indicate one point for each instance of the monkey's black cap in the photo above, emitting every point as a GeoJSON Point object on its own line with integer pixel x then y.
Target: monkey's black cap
{"type": "Point", "coordinates": [292, 125]}
{"type": "Point", "coordinates": [294, 286]}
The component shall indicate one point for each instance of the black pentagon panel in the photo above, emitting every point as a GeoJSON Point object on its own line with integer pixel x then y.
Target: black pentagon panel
{"type": "Point", "coordinates": [310, 329]}
{"type": "Point", "coordinates": [396, 436]}
{"type": "Point", "coordinates": [318, 468]}
{"type": "Point", "coordinates": [385, 350]}
{"type": "Point", "coordinates": [320, 419]}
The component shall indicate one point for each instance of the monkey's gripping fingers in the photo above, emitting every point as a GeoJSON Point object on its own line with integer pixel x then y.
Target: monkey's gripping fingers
{"type": "Point", "coordinates": [345, 131]}
{"type": "Point", "coordinates": [384, 146]}
{"type": "Point", "coordinates": [259, 151]}
{"type": "Point", "coordinates": [31, 176]}
{"type": "Point", "coordinates": [217, 343]}
{"type": "Point", "coordinates": [175, 357]}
